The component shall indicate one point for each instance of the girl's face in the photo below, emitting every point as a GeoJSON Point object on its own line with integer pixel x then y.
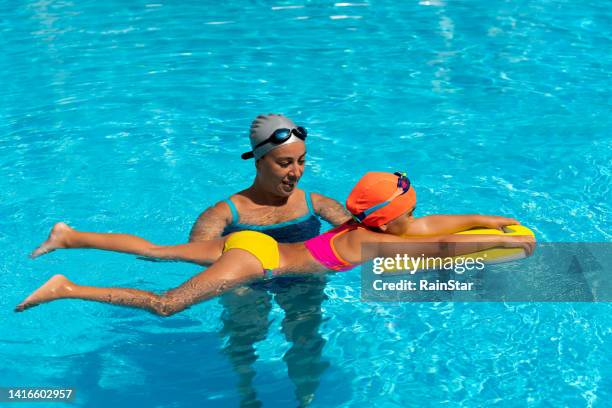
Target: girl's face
{"type": "Point", "coordinates": [399, 225]}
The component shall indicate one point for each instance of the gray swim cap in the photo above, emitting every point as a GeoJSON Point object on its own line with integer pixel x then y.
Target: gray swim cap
{"type": "Point", "coordinates": [262, 128]}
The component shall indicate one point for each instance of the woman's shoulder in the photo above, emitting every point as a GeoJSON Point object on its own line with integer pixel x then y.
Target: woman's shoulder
{"type": "Point", "coordinates": [211, 222]}
{"type": "Point", "coordinates": [221, 210]}
{"type": "Point", "coordinates": [329, 208]}
{"type": "Point", "coordinates": [242, 199]}
{"type": "Point", "coordinates": [318, 198]}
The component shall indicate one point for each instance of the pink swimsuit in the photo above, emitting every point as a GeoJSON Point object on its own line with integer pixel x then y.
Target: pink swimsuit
{"type": "Point", "coordinates": [322, 248]}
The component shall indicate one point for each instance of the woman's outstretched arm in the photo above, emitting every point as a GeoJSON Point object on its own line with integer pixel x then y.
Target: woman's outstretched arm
{"type": "Point", "coordinates": [234, 268]}
{"type": "Point", "coordinates": [63, 236]}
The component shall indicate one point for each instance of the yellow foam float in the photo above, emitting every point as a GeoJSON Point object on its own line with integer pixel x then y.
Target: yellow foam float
{"type": "Point", "coordinates": [487, 256]}
{"type": "Point", "coordinates": [499, 255]}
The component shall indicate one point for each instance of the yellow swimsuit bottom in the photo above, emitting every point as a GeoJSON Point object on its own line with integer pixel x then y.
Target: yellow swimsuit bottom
{"type": "Point", "coordinates": [260, 245]}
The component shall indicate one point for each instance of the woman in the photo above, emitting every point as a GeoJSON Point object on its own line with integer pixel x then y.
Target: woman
{"type": "Point", "coordinates": [381, 203]}
{"type": "Point", "coordinates": [273, 204]}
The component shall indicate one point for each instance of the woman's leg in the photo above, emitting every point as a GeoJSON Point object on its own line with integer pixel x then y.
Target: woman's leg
{"type": "Point", "coordinates": [245, 320]}
{"type": "Point", "coordinates": [301, 299]}
{"type": "Point", "coordinates": [63, 236]}
{"type": "Point", "coordinates": [234, 268]}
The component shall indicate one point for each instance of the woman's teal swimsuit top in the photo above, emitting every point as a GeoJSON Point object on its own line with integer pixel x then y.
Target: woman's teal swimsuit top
{"type": "Point", "coordinates": [296, 230]}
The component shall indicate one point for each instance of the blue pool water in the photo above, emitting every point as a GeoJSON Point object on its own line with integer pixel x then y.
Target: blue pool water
{"type": "Point", "coordinates": [131, 116]}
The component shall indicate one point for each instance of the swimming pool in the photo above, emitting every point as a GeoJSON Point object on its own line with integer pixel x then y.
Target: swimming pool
{"type": "Point", "coordinates": [132, 118]}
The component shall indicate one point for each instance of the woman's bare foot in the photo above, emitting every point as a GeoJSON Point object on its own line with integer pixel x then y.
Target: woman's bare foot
{"type": "Point", "coordinates": [55, 288]}
{"type": "Point", "coordinates": [57, 239]}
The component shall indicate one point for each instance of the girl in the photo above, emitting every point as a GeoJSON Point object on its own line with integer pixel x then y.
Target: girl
{"type": "Point", "coordinates": [382, 205]}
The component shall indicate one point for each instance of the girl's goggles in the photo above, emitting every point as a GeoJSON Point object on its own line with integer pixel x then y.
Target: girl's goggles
{"type": "Point", "coordinates": [403, 185]}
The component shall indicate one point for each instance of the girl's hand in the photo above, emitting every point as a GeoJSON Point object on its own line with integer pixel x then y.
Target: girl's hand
{"type": "Point", "coordinates": [495, 222]}
{"type": "Point", "coordinates": [526, 242]}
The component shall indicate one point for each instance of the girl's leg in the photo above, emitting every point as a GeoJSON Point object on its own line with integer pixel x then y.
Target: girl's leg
{"type": "Point", "coordinates": [63, 236]}
{"type": "Point", "coordinates": [234, 268]}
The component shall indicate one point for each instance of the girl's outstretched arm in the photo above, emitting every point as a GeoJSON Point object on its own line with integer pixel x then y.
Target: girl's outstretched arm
{"type": "Point", "coordinates": [234, 268]}
{"type": "Point", "coordinates": [450, 245]}
{"type": "Point", "coordinates": [450, 224]}
{"type": "Point", "coordinates": [63, 236]}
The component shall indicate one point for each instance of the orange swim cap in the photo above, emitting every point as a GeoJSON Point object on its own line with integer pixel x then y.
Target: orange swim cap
{"type": "Point", "coordinates": [376, 188]}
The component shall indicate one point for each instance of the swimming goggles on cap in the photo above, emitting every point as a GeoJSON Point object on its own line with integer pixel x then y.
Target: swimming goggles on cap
{"type": "Point", "coordinates": [403, 185]}
{"type": "Point", "coordinates": [280, 136]}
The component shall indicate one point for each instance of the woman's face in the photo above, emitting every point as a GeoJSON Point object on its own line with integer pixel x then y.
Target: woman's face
{"type": "Point", "coordinates": [279, 170]}
{"type": "Point", "coordinates": [399, 225]}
